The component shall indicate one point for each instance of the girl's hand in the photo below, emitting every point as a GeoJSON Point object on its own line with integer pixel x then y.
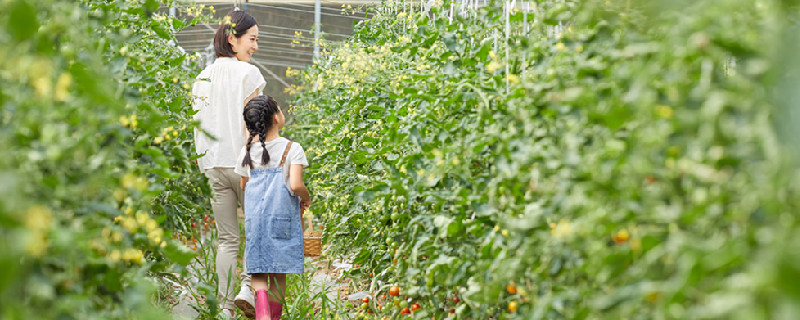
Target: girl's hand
{"type": "Point", "coordinates": [304, 204]}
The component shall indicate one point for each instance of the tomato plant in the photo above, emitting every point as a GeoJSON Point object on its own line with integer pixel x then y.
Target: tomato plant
{"type": "Point", "coordinates": [614, 159]}
{"type": "Point", "coordinates": [97, 169]}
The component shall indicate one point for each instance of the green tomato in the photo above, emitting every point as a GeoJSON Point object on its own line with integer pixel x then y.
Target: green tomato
{"type": "Point", "coordinates": [68, 50]}
{"type": "Point", "coordinates": [403, 304]}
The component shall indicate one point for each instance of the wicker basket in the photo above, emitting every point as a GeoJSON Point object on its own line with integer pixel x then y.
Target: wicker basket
{"type": "Point", "coordinates": [312, 241]}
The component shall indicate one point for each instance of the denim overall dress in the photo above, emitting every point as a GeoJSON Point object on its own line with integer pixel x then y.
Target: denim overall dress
{"type": "Point", "coordinates": [272, 223]}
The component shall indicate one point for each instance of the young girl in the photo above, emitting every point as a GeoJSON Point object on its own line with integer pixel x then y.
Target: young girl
{"type": "Point", "coordinates": [272, 169]}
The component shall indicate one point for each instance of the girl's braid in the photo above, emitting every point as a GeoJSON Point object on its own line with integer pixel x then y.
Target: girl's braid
{"type": "Point", "coordinates": [258, 115]}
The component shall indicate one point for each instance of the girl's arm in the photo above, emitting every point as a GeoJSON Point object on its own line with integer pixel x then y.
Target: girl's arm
{"type": "Point", "coordinates": [243, 181]}
{"type": "Point", "coordinates": [298, 186]}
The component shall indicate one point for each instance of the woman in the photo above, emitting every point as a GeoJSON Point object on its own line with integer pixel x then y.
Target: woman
{"type": "Point", "coordinates": [220, 94]}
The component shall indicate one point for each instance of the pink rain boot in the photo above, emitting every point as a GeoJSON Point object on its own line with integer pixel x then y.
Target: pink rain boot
{"type": "Point", "coordinates": [277, 310]}
{"type": "Point", "coordinates": [262, 305]}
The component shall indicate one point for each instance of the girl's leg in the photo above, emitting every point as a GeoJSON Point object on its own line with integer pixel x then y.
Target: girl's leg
{"type": "Point", "coordinates": [259, 282]}
{"type": "Point", "coordinates": [277, 287]}
{"type": "Point", "coordinates": [277, 292]}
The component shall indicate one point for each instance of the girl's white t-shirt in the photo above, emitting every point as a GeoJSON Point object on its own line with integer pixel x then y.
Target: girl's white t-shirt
{"type": "Point", "coordinates": [275, 148]}
{"type": "Point", "coordinates": [218, 97]}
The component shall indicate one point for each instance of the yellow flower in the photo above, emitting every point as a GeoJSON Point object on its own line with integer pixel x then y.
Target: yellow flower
{"type": "Point", "coordinates": [38, 218]}
{"type": "Point", "coordinates": [130, 180]}
{"type": "Point", "coordinates": [62, 85]}
{"type": "Point", "coordinates": [158, 140]}
{"type": "Point", "coordinates": [151, 225]}
{"type": "Point", "coordinates": [504, 233]}
{"type": "Point", "coordinates": [133, 255]}
{"type": "Point", "coordinates": [664, 111]}
{"type": "Point", "coordinates": [560, 46]}
{"type": "Point", "coordinates": [114, 256]}
{"type": "Point", "coordinates": [155, 236]}
{"type": "Point", "coordinates": [513, 78]}
{"type": "Point", "coordinates": [492, 66]}
{"type": "Point", "coordinates": [36, 244]}
{"type": "Point", "coordinates": [142, 218]}
{"type": "Point", "coordinates": [561, 229]}
{"type": "Point", "coordinates": [129, 224]}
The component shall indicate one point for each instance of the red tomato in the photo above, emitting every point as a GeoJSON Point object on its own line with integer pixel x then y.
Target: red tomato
{"type": "Point", "coordinates": [511, 288]}
{"type": "Point", "coordinates": [394, 291]}
{"type": "Point", "coordinates": [621, 236]}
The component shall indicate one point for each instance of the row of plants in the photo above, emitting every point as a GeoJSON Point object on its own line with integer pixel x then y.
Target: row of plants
{"type": "Point", "coordinates": [98, 177]}
{"type": "Point", "coordinates": [568, 160]}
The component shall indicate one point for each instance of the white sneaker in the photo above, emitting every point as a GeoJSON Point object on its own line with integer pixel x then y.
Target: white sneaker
{"type": "Point", "coordinates": [227, 314]}
{"type": "Point", "coordinates": [246, 302]}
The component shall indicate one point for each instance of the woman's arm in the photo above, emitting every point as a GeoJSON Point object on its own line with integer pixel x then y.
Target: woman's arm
{"type": "Point", "coordinates": [298, 186]}
{"type": "Point", "coordinates": [244, 125]}
{"type": "Point", "coordinates": [252, 95]}
{"type": "Point", "coordinates": [243, 181]}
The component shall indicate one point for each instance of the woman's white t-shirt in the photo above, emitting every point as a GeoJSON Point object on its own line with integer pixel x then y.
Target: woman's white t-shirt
{"type": "Point", "coordinates": [219, 96]}
{"type": "Point", "coordinates": [275, 148]}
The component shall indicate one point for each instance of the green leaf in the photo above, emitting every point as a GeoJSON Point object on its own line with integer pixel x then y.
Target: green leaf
{"type": "Point", "coordinates": [178, 253]}
{"type": "Point", "coordinates": [22, 20]}
{"type": "Point", "coordinates": [358, 157]}
{"type": "Point", "coordinates": [162, 32]}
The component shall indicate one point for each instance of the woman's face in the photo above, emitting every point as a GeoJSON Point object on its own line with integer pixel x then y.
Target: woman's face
{"type": "Point", "coordinates": [245, 45]}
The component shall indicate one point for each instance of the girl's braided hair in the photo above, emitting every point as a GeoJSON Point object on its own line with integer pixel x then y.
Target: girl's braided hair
{"type": "Point", "coordinates": [258, 115]}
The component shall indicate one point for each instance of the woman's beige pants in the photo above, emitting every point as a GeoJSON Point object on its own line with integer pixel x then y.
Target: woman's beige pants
{"type": "Point", "coordinates": [227, 195]}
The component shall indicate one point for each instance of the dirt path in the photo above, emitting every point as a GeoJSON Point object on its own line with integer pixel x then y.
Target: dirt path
{"type": "Point", "coordinates": [324, 277]}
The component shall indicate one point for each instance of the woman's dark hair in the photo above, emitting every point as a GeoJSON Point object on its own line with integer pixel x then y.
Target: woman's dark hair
{"type": "Point", "coordinates": [258, 115]}
{"type": "Point", "coordinates": [238, 24]}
